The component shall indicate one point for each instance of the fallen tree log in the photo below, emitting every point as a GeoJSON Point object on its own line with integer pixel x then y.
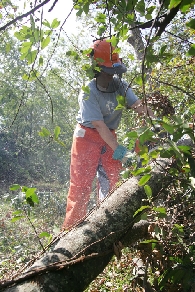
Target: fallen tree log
{"type": "Point", "coordinates": [76, 257]}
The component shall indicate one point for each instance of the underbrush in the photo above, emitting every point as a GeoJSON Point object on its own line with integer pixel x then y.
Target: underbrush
{"type": "Point", "coordinates": [25, 230]}
{"type": "Point", "coordinates": [119, 275]}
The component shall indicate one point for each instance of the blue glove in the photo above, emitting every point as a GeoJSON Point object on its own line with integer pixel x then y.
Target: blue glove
{"type": "Point", "coordinates": [122, 154]}
{"type": "Point", "coordinates": [119, 153]}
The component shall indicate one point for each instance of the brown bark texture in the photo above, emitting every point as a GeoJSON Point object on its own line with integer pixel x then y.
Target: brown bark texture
{"type": "Point", "coordinates": [78, 256]}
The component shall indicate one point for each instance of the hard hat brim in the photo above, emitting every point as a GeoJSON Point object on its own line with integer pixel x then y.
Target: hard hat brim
{"type": "Point", "coordinates": [114, 70]}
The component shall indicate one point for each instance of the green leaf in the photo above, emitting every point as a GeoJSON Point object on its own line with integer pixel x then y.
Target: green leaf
{"type": "Point", "coordinates": [148, 191]}
{"type": "Point", "coordinates": [114, 41]}
{"type": "Point", "coordinates": [17, 212]}
{"type": "Point", "coordinates": [174, 3]}
{"type": "Point", "coordinates": [30, 191]}
{"type": "Point", "coordinates": [184, 149]}
{"type": "Point", "coordinates": [177, 135]}
{"type": "Point", "coordinates": [166, 153]}
{"type": "Point", "coordinates": [149, 12]}
{"type": "Point", "coordinates": [32, 22]}
{"type": "Point", "coordinates": [130, 5]}
{"type": "Point", "coordinates": [46, 23]}
{"type": "Point", "coordinates": [101, 18]}
{"type": "Point", "coordinates": [35, 198]}
{"type": "Point", "coordinates": [126, 173]}
{"type": "Point", "coordinates": [144, 216]}
{"type": "Point", "coordinates": [60, 142]}
{"type": "Point", "coordinates": [191, 51]}
{"type": "Point", "coordinates": [141, 170]}
{"type": "Point", "coordinates": [56, 132]}
{"type": "Point", "coordinates": [167, 127]}
{"type": "Point", "coordinates": [161, 210]}
{"type": "Point", "coordinates": [151, 58]}
{"type": "Point", "coordinates": [33, 75]}
{"type": "Point", "coordinates": [31, 56]}
{"type": "Point", "coordinates": [40, 61]}
{"type": "Point", "coordinates": [79, 13]}
{"type": "Point", "coordinates": [44, 234]}
{"type": "Point", "coordinates": [101, 29]}
{"type": "Point", "coordinates": [24, 33]}
{"type": "Point", "coordinates": [144, 155]}
{"type": "Point", "coordinates": [8, 47]}
{"type": "Point", "coordinates": [45, 42]}
{"type": "Point", "coordinates": [179, 228]}
{"type": "Point", "coordinates": [176, 150]}
{"type": "Point", "coordinates": [150, 241]}
{"type": "Point", "coordinates": [191, 23]}
{"type": "Point", "coordinates": [25, 77]}
{"type": "Point", "coordinates": [23, 56]}
{"type": "Point", "coordinates": [36, 35]}
{"type": "Point", "coordinates": [86, 8]}
{"type": "Point", "coordinates": [185, 5]}
{"type": "Point", "coordinates": [154, 153]}
{"type": "Point", "coordinates": [55, 23]}
{"type": "Point", "coordinates": [44, 132]}
{"type": "Point", "coordinates": [130, 17]}
{"type": "Point", "coordinates": [30, 202]}
{"type": "Point", "coordinates": [144, 179]}
{"type": "Point", "coordinates": [140, 210]}
{"type": "Point", "coordinates": [140, 7]}
{"type": "Point", "coordinates": [24, 189]}
{"type": "Point", "coordinates": [145, 136]}
{"type": "Point", "coordinates": [121, 102]}
{"type": "Point", "coordinates": [16, 218]}
{"type": "Point", "coordinates": [14, 187]}
{"type": "Point", "coordinates": [162, 49]}
{"type": "Point", "coordinates": [138, 80]}
{"type": "Point", "coordinates": [25, 47]}
{"type": "Point", "coordinates": [86, 89]}
{"type": "Point", "coordinates": [31, 196]}
{"type": "Point", "coordinates": [73, 54]}
{"type": "Point", "coordinates": [132, 134]}
{"type": "Point", "coordinates": [19, 36]}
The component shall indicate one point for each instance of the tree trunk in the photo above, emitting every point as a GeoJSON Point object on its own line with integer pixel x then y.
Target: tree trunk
{"type": "Point", "coordinates": [76, 257]}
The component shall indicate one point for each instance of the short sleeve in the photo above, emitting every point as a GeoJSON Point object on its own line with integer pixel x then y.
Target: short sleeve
{"type": "Point", "coordinates": [126, 91]}
{"type": "Point", "coordinates": [89, 107]}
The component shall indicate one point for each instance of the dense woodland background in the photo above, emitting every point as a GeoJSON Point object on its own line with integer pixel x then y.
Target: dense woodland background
{"type": "Point", "coordinates": [41, 73]}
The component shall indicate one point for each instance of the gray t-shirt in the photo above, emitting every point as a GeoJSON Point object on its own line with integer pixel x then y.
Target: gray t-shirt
{"type": "Point", "coordinates": [98, 105]}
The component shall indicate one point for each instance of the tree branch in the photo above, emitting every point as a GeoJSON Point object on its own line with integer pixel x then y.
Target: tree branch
{"type": "Point", "coordinates": [161, 22]}
{"type": "Point", "coordinates": [24, 15]}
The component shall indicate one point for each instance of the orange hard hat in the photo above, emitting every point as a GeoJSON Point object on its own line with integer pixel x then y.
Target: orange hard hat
{"type": "Point", "coordinates": [103, 53]}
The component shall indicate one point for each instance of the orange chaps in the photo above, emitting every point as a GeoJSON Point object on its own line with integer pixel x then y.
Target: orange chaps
{"type": "Point", "coordinates": [86, 154]}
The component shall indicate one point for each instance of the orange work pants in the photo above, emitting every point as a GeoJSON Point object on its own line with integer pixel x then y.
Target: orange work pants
{"type": "Point", "coordinates": [86, 153]}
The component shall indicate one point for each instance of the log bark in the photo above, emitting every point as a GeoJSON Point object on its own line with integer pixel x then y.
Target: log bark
{"type": "Point", "coordinates": [76, 257]}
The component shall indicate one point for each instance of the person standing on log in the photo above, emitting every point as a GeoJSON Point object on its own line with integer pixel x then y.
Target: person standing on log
{"type": "Point", "coordinates": [95, 143]}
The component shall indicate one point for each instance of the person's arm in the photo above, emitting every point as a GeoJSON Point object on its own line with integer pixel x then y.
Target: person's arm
{"type": "Point", "coordinates": [105, 134]}
{"type": "Point", "coordinates": [120, 152]}
{"type": "Point", "coordinates": [142, 109]}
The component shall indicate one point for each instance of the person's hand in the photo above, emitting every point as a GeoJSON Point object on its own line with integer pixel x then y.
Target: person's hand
{"type": "Point", "coordinates": [125, 156]}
